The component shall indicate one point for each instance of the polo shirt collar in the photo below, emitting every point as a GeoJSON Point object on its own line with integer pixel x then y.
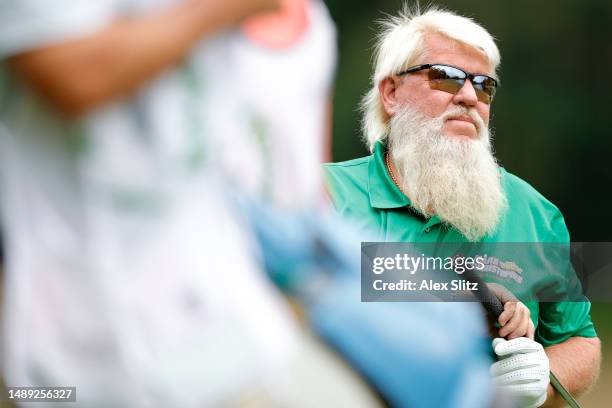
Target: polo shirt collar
{"type": "Point", "coordinates": [383, 191]}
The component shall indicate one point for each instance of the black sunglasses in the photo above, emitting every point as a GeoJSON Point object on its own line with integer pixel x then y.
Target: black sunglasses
{"type": "Point", "coordinates": [451, 79]}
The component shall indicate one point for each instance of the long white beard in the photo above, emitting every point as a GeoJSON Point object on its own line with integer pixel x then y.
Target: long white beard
{"type": "Point", "coordinates": [457, 179]}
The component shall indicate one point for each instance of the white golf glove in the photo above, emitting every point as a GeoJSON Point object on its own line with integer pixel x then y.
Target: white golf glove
{"type": "Point", "coordinates": [522, 370]}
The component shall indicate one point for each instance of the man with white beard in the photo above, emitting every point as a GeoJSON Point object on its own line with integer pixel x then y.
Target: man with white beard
{"type": "Point", "coordinates": [432, 177]}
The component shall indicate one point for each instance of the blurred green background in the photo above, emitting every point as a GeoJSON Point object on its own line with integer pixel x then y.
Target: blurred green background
{"type": "Point", "coordinates": [550, 117]}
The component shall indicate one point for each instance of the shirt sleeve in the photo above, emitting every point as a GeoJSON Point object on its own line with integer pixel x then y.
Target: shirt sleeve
{"type": "Point", "coordinates": [558, 321]}
{"type": "Point", "coordinates": [30, 24]}
{"type": "Point", "coordinates": [561, 320]}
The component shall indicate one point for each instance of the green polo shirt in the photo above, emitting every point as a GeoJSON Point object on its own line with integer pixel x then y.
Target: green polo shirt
{"type": "Point", "coordinates": [363, 191]}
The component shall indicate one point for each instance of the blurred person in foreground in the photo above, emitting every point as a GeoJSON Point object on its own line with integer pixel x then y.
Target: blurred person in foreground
{"type": "Point", "coordinates": [432, 177]}
{"type": "Point", "coordinates": [126, 275]}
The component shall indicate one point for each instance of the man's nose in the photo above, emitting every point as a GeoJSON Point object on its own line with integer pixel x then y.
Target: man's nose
{"type": "Point", "coordinates": [466, 95]}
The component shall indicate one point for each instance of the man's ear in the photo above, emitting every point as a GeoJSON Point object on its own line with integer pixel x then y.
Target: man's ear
{"type": "Point", "coordinates": [387, 88]}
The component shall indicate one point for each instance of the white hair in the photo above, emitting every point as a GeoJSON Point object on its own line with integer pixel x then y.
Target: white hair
{"type": "Point", "coordinates": [401, 43]}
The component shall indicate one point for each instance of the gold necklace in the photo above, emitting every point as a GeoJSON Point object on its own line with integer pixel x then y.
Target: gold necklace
{"type": "Point", "coordinates": [388, 164]}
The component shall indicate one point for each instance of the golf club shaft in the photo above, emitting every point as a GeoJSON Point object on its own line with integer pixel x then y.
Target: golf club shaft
{"type": "Point", "coordinates": [493, 306]}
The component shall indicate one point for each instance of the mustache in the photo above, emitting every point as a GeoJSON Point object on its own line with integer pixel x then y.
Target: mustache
{"type": "Point", "coordinates": [462, 110]}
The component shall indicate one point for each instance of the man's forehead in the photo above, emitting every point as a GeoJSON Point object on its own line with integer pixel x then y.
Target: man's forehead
{"type": "Point", "coordinates": [439, 48]}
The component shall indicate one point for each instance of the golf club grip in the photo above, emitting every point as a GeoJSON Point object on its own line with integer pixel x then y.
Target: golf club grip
{"type": "Point", "coordinates": [494, 306]}
{"type": "Point", "coordinates": [488, 299]}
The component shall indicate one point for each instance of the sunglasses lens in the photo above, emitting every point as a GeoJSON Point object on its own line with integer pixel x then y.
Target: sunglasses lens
{"type": "Point", "coordinates": [447, 79]}
{"type": "Point", "coordinates": [485, 88]}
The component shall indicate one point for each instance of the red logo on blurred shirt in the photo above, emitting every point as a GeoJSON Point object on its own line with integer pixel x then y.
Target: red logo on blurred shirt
{"type": "Point", "coordinates": [279, 29]}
